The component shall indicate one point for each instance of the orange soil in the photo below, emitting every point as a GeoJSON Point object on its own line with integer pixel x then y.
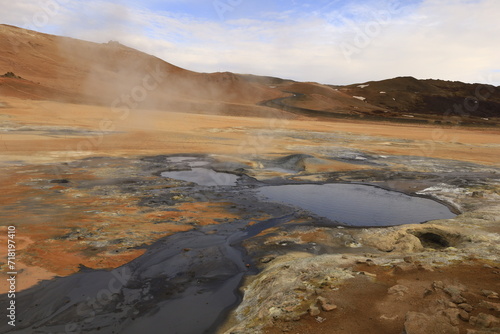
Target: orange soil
{"type": "Point", "coordinates": [364, 305]}
{"type": "Point", "coordinates": [148, 132]}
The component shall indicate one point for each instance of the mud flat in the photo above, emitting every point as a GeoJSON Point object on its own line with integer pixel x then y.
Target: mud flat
{"type": "Point", "coordinates": [293, 263]}
{"type": "Point", "coordinates": [80, 214]}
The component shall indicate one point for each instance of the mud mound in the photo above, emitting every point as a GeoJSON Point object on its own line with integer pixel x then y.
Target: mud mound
{"type": "Point", "coordinates": [295, 162]}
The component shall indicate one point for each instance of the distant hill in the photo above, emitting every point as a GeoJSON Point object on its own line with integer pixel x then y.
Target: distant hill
{"type": "Point", "coordinates": [76, 71]}
{"type": "Point", "coordinates": [42, 66]}
{"type": "Point", "coordinates": [431, 97]}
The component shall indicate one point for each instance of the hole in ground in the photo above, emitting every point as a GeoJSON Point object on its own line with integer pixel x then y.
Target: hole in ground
{"type": "Point", "coordinates": [432, 240]}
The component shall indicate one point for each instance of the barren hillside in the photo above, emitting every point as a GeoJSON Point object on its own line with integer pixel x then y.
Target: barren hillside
{"type": "Point", "coordinates": [111, 74]}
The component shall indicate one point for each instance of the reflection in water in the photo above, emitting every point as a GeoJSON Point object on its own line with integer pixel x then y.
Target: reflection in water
{"type": "Point", "coordinates": [358, 205]}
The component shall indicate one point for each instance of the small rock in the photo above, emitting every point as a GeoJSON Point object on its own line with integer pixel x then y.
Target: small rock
{"type": "Point", "coordinates": [438, 285]}
{"type": "Point", "coordinates": [274, 311]}
{"type": "Point", "coordinates": [425, 267]}
{"type": "Point", "coordinates": [486, 320]}
{"type": "Point", "coordinates": [314, 311]}
{"type": "Point", "coordinates": [320, 319]}
{"type": "Point", "coordinates": [399, 290]}
{"type": "Point", "coordinates": [428, 292]}
{"type": "Point", "coordinates": [490, 294]}
{"type": "Point", "coordinates": [370, 262]}
{"type": "Point", "coordinates": [466, 307]}
{"type": "Point", "coordinates": [326, 305]}
{"type": "Point", "coordinates": [490, 306]}
{"type": "Point", "coordinates": [458, 299]}
{"type": "Point", "coordinates": [452, 305]}
{"type": "Point", "coordinates": [452, 291]}
{"type": "Point", "coordinates": [463, 315]}
{"type": "Point", "coordinates": [487, 266]}
{"type": "Point", "coordinates": [420, 323]}
{"type": "Point", "coordinates": [455, 294]}
{"type": "Point", "coordinates": [452, 314]}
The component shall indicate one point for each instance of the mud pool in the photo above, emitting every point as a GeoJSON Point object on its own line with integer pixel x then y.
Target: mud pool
{"type": "Point", "coordinates": [346, 204]}
{"type": "Point", "coordinates": [358, 205]}
{"type": "Point", "coordinates": [203, 177]}
{"type": "Point", "coordinates": [196, 172]}
{"type": "Point", "coordinates": [188, 282]}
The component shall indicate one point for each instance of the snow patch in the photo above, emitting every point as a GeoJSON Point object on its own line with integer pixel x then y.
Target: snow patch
{"type": "Point", "coordinates": [363, 86]}
{"type": "Point", "coordinates": [360, 98]}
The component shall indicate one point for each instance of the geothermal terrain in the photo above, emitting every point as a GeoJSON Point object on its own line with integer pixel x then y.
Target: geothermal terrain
{"type": "Point", "coordinates": [149, 198]}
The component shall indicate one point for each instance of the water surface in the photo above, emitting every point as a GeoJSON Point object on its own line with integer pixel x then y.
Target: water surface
{"type": "Point", "coordinates": [358, 205]}
{"type": "Point", "coordinates": [203, 177]}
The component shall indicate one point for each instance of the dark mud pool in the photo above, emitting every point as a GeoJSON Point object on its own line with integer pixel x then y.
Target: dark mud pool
{"type": "Point", "coordinates": [358, 205]}
{"type": "Point", "coordinates": [188, 282]}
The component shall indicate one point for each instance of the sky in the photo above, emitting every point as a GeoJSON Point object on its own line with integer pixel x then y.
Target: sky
{"type": "Point", "coordinates": [326, 41]}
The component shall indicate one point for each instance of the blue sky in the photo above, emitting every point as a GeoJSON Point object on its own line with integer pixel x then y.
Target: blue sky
{"type": "Point", "coordinates": [328, 41]}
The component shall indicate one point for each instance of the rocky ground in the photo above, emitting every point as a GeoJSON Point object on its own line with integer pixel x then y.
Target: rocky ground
{"type": "Point", "coordinates": [307, 275]}
{"type": "Point", "coordinates": [106, 206]}
{"type": "Point", "coordinates": [438, 277]}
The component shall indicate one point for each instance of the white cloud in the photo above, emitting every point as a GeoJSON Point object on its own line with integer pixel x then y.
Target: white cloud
{"type": "Point", "coordinates": [446, 39]}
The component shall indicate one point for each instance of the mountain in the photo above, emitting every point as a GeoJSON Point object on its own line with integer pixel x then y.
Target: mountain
{"type": "Point", "coordinates": [431, 97]}
{"type": "Point", "coordinates": [76, 71]}
{"type": "Point", "coordinates": [57, 68]}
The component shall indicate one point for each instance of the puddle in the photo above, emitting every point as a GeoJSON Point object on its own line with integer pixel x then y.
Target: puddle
{"type": "Point", "coordinates": [203, 177]}
{"type": "Point", "coordinates": [358, 205]}
{"type": "Point", "coordinates": [198, 175]}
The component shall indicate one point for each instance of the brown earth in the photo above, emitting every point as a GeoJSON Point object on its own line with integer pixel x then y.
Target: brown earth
{"type": "Point", "coordinates": [379, 305]}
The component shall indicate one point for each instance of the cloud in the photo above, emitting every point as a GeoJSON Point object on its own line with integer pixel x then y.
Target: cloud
{"type": "Point", "coordinates": [335, 42]}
